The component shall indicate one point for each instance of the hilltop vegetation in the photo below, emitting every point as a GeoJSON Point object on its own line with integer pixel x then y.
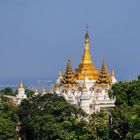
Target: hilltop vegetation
{"type": "Point", "coordinates": [8, 91]}
{"type": "Point", "coordinates": [126, 114]}
{"type": "Point", "coordinates": [50, 117]}
{"type": "Point", "coordinates": [8, 120]}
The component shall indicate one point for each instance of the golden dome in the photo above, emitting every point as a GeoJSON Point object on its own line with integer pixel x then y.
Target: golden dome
{"type": "Point", "coordinates": [21, 85]}
{"type": "Point", "coordinates": [86, 65]}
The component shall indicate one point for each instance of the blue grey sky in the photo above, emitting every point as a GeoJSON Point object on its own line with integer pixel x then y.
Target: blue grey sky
{"type": "Point", "coordinates": [38, 36]}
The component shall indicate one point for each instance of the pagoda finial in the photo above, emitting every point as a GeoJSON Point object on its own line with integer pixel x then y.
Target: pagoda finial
{"type": "Point", "coordinates": [84, 84]}
{"type": "Point", "coordinates": [43, 91]}
{"type": "Point", "coordinates": [21, 84]}
{"type": "Point", "coordinates": [86, 56]}
{"type": "Point", "coordinates": [113, 73]}
{"type": "Point", "coordinates": [103, 63]}
{"type": "Point", "coordinates": [87, 27]}
{"type": "Point", "coordinates": [87, 36]}
{"type": "Point", "coordinates": [35, 91]}
{"type": "Point", "coordinates": [113, 76]}
{"type": "Point", "coordinates": [60, 74]}
{"type": "Point", "coordinates": [86, 64]}
{"type": "Point", "coordinates": [69, 64]}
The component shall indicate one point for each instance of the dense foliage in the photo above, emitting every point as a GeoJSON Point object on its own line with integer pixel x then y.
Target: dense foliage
{"type": "Point", "coordinates": [50, 117]}
{"type": "Point", "coordinates": [29, 93]}
{"type": "Point", "coordinates": [99, 125]}
{"type": "Point", "coordinates": [126, 115]}
{"type": "Point", "coordinates": [8, 119]}
{"type": "Point", "coordinates": [8, 91]}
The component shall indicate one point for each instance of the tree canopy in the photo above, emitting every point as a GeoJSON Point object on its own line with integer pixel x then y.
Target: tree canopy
{"type": "Point", "coordinates": [126, 114]}
{"type": "Point", "coordinates": [8, 91]}
{"type": "Point", "coordinates": [50, 117]}
{"type": "Point", "coordinates": [8, 119]}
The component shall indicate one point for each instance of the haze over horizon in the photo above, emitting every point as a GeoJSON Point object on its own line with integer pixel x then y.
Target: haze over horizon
{"type": "Point", "coordinates": [37, 37]}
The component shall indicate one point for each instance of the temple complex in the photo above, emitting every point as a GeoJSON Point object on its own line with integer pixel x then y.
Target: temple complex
{"type": "Point", "coordinates": [86, 87]}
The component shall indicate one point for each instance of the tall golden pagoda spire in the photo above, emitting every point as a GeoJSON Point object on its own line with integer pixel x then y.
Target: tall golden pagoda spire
{"type": "Point", "coordinates": [86, 65]}
{"type": "Point", "coordinates": [21, 85]}
{"type": "Point", "coordinates": [86, 59]}
{"type": "Point", "coordinates": [113, 73]}
{"type": "Point", "coordinates": [68, 78]}
{"type": "Point", "coordinates": [104, 78]}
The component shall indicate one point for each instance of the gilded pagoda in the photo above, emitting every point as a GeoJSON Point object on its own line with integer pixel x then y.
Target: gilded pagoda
{"type": "Point", "coordinates": [104, 79]}
{"type": "Point", "coordinates": [86, 87]}
{"type": "Point", "coordinates": [86, 65]}
{"type": "Point", "coordinates": [68, 78]}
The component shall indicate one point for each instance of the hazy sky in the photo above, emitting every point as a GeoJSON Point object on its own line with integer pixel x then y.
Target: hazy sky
{"type": "Point", "coordinates": [38, 36]}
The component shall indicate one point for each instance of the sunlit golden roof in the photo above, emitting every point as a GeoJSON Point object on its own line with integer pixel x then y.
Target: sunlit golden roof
{"type": "Point", "coordinates": [21, 85]}
{"type": "Point", "coordinates": [86, 65]}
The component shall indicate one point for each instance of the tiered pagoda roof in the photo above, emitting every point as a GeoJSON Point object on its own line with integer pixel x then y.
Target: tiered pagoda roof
{"type": "Point", "coordinates": [104, 78]}
{"type": "Point", "coordinates": [68, 79]}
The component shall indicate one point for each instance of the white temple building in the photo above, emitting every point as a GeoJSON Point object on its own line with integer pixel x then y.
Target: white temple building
{"type": "Point", "coordinates": [86, 87]}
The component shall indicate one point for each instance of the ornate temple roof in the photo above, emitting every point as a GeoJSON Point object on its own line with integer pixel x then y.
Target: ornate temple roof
{"type": "Point", "coordinates": [68, 78]}
{"type": "Point", "coordinates": [104, 78]}
{"type": "Point", "coordinates": [86, 65]}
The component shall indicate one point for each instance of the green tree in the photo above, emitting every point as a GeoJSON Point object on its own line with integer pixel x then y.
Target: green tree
{"type": "Point", "coordinates": [139, 77]}
{"type": "Point", "coordinates": [50, 117]}
{"type": "Point", "coordinates": [29, 93]}
{"type": "Point", "coordinates": [8, 119]}
{"type": "Point", "coordinates": [125, 116]}
{"type": "Point", "coordinates": [99, 124]}
{"type": "Point", "coordinates": [8, 91]}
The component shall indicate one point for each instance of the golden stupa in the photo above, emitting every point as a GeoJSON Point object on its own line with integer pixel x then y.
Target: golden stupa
{"type": "Point", "coordinates": [35, 90]}
{"type": "Point", "coordinates": [21, 85]}
{"type": "Point", "coordinates": [86, 65]}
